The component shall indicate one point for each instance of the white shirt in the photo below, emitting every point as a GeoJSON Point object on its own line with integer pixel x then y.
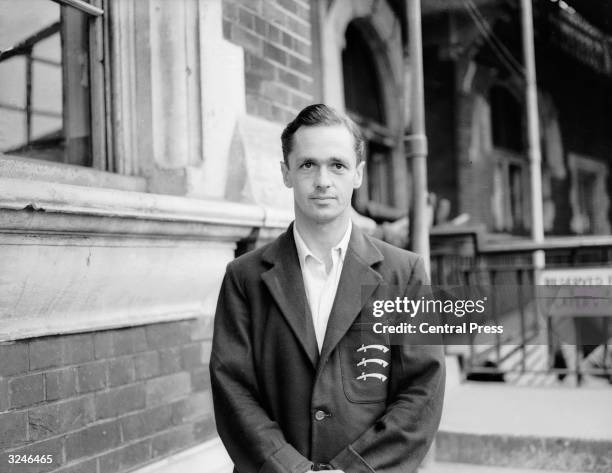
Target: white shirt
{"type": "Point", "coordinates": [321, 286]}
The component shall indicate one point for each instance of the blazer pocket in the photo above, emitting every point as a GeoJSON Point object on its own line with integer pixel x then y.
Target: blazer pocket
{"type": "Point", "coordinates": [365, 363]}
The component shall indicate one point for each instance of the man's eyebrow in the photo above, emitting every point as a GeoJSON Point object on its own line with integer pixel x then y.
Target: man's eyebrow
{"type": "Point", "coordinates": [330, 160]}
{"type": "Point", "coordinates": [302, 159]}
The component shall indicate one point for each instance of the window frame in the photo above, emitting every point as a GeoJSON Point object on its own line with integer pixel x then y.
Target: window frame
{"type": "Point", "coordinates": [599, 170]}
{"type": "Point", "coordinates": [82, 5]}
{"type": "Point", "coordinates": [506, 219]}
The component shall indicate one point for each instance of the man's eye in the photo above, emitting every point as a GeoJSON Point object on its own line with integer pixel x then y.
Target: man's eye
{"type": "Point", "coordinates": [307, 165]}
{"type": "Point", "coordinates": [338, 166]}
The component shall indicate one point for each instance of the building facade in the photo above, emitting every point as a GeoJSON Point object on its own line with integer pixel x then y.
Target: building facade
{"type": "Point", "coordinates": [476, 114]}
{"type": "Point", "coordinates": [140, 150]}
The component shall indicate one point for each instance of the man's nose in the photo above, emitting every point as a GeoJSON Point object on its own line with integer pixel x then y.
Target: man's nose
{"type": "Point", "coordinates": [322, 177]}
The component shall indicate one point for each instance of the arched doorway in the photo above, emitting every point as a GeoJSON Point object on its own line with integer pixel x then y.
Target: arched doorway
{"type": "Point", "coordinates": [367, 105]}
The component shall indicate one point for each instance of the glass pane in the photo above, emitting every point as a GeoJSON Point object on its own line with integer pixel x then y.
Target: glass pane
{"type": "Point", "coordinates": [22, 19]}
{"type": "Point", "coordinates": [587, 182]}
{"type": "Point", "coordinates": [46, 89]}
{"type": "Point", "coordinates": [12, 128]}
{"type": "Point", "coordinates": [13, 77]}
{"type": "Point", "coordinates": [44, 126]}
{"type": "Point", "coordinates": [49, 49]}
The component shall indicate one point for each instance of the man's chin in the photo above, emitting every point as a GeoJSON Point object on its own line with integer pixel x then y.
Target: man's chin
{"type": "Point", "coordinates": [321, 214]}
{"type": "Point", "coordinates": [324, 216]}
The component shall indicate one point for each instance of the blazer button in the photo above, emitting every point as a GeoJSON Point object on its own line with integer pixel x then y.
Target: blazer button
{"type": "Point", "coordinates": [320, 415]}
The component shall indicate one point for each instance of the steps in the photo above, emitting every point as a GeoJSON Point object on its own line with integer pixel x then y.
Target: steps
{"type": "Point", "coordinates": [564, 454]}
{"type": "Point", "coordinates": [465, 468]}
{"type": "Point", "coordinates": [534, 360]}
{"type": "Point", "coordinates": [497, 425]}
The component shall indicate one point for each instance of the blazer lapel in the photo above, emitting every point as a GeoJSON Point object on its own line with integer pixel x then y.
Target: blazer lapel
{"type": "Point", "coordinates": [285, 283]}
{"type": "Point", "coordinates": [357, 282]}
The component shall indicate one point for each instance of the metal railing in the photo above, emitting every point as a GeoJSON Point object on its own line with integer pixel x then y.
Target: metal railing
{"type": "Point", "coordinates": [466, 257]}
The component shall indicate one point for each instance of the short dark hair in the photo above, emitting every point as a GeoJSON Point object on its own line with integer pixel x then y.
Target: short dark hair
{"type": "Point", "coordinates": [321, 115]}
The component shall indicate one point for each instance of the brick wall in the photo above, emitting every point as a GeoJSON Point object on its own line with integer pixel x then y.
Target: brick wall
{"type": "Point", "coordinates": [277, 42]}
{"type": "Point", "coordinates": [106, 401]}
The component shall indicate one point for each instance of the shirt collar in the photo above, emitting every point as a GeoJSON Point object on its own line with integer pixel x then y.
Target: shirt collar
{"type": "Point", "coordinates": [303, 250]}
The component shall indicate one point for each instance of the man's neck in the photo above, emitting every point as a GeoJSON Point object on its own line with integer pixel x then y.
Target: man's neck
{"type": "Point", "coordinates": [322, 237]}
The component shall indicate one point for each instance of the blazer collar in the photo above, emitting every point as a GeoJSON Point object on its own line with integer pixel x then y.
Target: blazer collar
{"type": "Point", "coordinates": [357, 282]}
{"type": "Point", "coordinates": [284, 281]}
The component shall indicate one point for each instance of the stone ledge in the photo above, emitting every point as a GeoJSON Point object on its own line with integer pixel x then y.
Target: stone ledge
{"type": "Point", "coordinates": [52, 284]}
{"type": "Point", "coordinates": [27, 195]}
{"type": "Point", "coordinates": [79, 259]}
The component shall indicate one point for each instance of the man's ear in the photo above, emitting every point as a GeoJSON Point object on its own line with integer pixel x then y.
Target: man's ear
{"type": "Point", "coordinates": [286, 175]}
{"type": "Point", "coordinates": [358, 175]}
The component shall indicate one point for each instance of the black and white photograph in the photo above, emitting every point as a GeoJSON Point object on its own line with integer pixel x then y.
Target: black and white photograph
{"type": "Point", "coordinates": [283, 236]}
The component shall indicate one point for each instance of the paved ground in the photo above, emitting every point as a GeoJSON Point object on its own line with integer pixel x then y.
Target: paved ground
{"type": "Point", "coordinates": [486, 408]}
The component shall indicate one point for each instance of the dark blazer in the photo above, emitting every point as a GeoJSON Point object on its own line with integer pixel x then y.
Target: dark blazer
{"type": "Point", "coordinates": [280, 406]}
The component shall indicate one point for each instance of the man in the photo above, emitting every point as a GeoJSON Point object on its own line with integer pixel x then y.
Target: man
{"type": "Point", "coordinates": [294, 384]}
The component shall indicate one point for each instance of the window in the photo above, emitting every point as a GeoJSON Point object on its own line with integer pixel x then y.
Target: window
{"type": "Point", "coordinates": [511, 212]}
{"type": "Point", "coordinates": [52, 75]}
{"type": "Point", "coordinates": [511, 173]}
{"type": "Point", "coordinates": [589, 199]}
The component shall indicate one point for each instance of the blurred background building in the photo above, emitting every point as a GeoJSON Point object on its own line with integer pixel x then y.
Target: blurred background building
{"type": "Point", "coordinates": [139, 154]}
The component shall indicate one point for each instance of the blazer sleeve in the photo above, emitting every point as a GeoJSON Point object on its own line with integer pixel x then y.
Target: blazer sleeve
{"type": "Point", "coordinates": [253, 440]}
{"type": "Point", "coordinates": [399, 440]}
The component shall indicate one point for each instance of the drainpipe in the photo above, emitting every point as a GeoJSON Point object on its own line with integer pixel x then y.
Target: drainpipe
{"type": "Point", "coordinates": [533, 133]}
{"type": "Point", "coordinates": [415, 139]}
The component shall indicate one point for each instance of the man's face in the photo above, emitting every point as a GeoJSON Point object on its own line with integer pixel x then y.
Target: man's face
{"type": "Point", "coordinates": [322, 172]}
